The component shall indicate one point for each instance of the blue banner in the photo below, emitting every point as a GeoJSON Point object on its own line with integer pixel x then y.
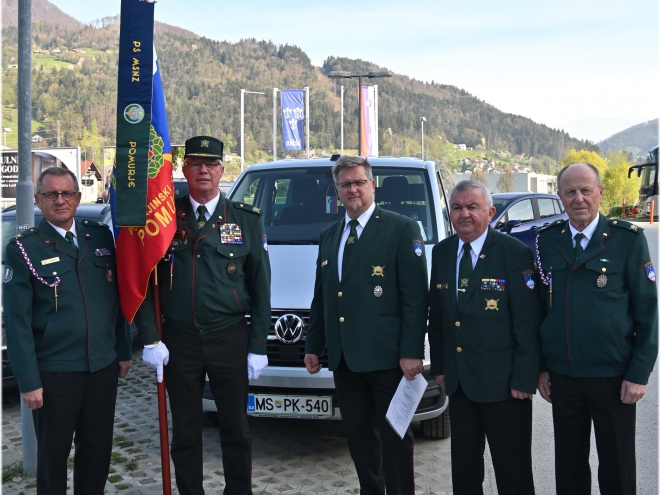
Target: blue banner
{"type": "Point", "coordinates": [293, 119]}
{"type": "Point", "coordinates": [134, 90]}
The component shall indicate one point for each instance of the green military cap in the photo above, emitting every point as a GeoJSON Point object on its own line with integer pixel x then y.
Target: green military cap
{"type": "Point", "coordinates": [206, 146]}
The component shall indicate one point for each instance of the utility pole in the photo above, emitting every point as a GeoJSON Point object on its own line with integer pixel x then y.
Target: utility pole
{"type": "Point", "coordinates": [24, 187]}
{"type": "Point", "coordinates": [58, 133]}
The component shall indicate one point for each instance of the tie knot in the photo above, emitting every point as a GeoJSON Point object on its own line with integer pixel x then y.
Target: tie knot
{"type": "Point", "coordinates": [467, 247]}
{"type": "Point", "coordinates": [353, 224]}
{"type": "Point", "coordinates": [201, 210]}
{"type": "Point", "coordinates": [68, 236]}
{"type": "Point", "coordinates": [578, 237]}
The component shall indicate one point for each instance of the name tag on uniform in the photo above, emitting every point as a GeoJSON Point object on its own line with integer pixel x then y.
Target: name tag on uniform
{"type": "Point", "coordinates": [50, 260]}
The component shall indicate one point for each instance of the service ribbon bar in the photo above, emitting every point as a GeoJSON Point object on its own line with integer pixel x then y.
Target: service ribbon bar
{"type": "Point", "coordinates": [134, 90]}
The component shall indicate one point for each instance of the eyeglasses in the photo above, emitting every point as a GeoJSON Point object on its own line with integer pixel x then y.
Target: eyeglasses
{"type": "Point", "coordinates": [346, 186]}
{"type": "Point", "coordinates": [209, 165]}
{"type": "Point", "coordinates": [52, 196]}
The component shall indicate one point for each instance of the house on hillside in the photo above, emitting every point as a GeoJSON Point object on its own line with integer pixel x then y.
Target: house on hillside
{"type": "Point", "coordinates": [90, 178]}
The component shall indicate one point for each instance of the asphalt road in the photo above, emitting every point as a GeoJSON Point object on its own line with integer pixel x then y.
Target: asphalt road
{"type": "Point", "coordinates": [298, 456]}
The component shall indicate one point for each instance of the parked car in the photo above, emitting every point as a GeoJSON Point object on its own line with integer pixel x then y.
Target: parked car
{"type": "Point", "coordinates": [95, 212]}
{"type": "Point", "coordinates": [298, 199]}
{"type": "Point", "coordinates": [521, 214]}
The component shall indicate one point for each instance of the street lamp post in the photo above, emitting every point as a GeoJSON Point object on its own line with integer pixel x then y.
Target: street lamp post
{"type": "Point", "coordinates": [341, 74]}
{"type": "Point", "coordinates": [5, 130]}
{"type": "Point", "coordinates": [243, 122]}
{"type": "Point", "coordinates": [422, 119]}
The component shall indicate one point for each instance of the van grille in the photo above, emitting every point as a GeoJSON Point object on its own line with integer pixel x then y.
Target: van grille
{"type": "Point", "coordinates": [281, 354]}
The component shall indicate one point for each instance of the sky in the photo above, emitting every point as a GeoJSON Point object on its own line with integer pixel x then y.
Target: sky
{"type": "Point", "coordinates": [589, 67]}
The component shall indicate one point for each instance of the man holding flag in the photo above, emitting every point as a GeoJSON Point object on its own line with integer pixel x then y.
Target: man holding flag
{"type": "Point", "coordinates": [216, 270]}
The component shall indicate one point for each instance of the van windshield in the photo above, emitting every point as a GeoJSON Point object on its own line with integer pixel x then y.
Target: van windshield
{"type": "Point", "coordinates": [298, 203]}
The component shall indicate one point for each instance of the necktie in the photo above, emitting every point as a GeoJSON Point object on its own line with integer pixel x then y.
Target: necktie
{"type": "Point", "coordinates": [464, 272]}
{"type": "Point", "coordinates": [578, 246]}
{"type": "Point", "coordinates": [69, 237]}
{"type": "Point", "coordinates": [348, 247]}
{"type": "Point", "coordinates": [201, 218]}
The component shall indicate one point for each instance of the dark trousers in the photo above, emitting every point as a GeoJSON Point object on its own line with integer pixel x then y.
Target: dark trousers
{"type": "Point", "coordinates": [576, 402]}
{"type": "Point", "coordinates": [382, 459]}
{"type": "Point", "coordinates": [222, 355]}
{"type": "Point", "coordinates": [78, 406]}
{"type": "Point", "coordinates": [507, 425]}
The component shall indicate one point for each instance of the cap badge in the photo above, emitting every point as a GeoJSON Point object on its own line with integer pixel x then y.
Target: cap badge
{"type": "Point", "coordinates": [204, 143]}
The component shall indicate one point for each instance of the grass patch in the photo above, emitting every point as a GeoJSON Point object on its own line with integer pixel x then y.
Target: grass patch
{"type": "Point", "coordinates": [114, 478]}
{"type": "Point", "coordinates": [132, 465]}
{"type": "Point", "coordinates": [145, 440]}
{"type": "Point", "coordinates": [122, 425]}
{"type": "Point", "coordinates": [13, 471]}
{"type": "Point", "coordinates": [219, 473]}
{"type": "Point", "coordinates": [116, 457]}
{"type": "Point", "coordinates": [133, 450]}
{"type": "Point", "coordinates": [129, 430]}
{"type": "Point", "coordinates": [121, 442]}
{"type": "Point", "coordinates": [123, 486]}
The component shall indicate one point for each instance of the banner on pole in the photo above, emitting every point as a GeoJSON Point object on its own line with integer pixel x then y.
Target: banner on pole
{"type": "Point", "coordinates": [369, 131]}
{"type": "Point", "coordinates": [134, 87]}
{"type": "Point", "coordinates": [293, 119]}
{"type": "Point", "coordinates": [139, 248]}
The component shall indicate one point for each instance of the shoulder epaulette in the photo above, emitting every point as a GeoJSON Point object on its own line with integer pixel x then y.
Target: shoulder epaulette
{"type": "Point", "coordinates": [247, 207]}
{"type": "Point", "coordinates": [556, 223]}
{"type": "Point", "coordinates": [622, 224]}
{"type": "Point", "coordinates": [91, 223]}
{"type": "Point", "coordinates": [24, 234]}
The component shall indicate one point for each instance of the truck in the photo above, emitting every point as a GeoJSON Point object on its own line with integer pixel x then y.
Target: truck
{"type": "Point", "coordinates": [648, 190]}
{"type": "Point", "coordinates": [297, 200]}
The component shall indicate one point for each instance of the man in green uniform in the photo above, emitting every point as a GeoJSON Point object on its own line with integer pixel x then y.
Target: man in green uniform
{"type": "Point", "coordinates": [66, 338]}
{"type": "Point", "coordinates": [599, 336]}
{"type": "Point", "coordinates": [485, 315]}
{"type": "Point", "coordinates": [369, 309]}
{"type": "Point", "coordinates": [216, 271]}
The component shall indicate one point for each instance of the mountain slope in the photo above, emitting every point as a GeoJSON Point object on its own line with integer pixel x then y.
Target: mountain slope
{"type": "Point", "coordinates": [42, 10]}
{"type": "Point", "coordinates": [638, 139]}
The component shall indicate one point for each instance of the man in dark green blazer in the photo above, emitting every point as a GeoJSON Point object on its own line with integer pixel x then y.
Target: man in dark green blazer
{"type": "Point", "coordinates": [369, 309]}
{"type": "Point", "coordinates": [485, 351]}
{"type": "Point", "coordinates": [216, 270]}
{"type": "Point", "coordinates": [66, 338]}
{"type": "Point", "coordinates": [599, 336]}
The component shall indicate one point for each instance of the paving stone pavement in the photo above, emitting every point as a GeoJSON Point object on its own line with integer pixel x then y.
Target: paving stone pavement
{"type": "Point", "coordinates": [289, 456]}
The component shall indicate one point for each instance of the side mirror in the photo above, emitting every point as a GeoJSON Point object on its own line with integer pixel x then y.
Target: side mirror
{"type": "Point", "coordinates": [511, 224]}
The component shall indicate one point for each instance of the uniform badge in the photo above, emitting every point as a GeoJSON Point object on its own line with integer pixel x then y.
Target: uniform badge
{"type": "Point", "coordinates": [325, 262]}
{"type": "Point", "coordinates": [256, 210]}
{"type": "Point", "coordinates": [264, 242]}
{"type": "Point", "coordinates": [379, 271]}
{"type": "Point", "coordinates": [417, 246]}
{"type": "Point", "coordinates": [204, 143]}
{"type": "Point", "coordinates": [231, 268]}
{"type": "Point", "coordinates": [350, 240]}
{"type": "Point", "coordinates": [109, 275]}
{"type": "Point", "coordinates": [8, 274]}
{"type": "Point", "coordinates": [492, 304]}
{"type": "Point", "coordinates": [230, 233]}
{"type": "Point", "coordinates": [650, 271]}
{"type": "Point", "coordinates": [529, 279]}
{"type": "Point", "coordinates": [482, 256]}
{"type": "Point", "coordinates": [442, 286]}
{"type": "Point", "coordinates": [601, 281]}
{"type": "Point", "coordinates": [378, 291]}
{"type": "Point", "coordinates": [464, 282]}
{"type": "Point", "coordinates": [102, 252]}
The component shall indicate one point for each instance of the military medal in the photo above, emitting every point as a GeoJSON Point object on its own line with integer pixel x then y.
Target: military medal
{"type": "Point", "coordinates": [350, 240]}
{"type": "Point", "coordinates": [492, 304]}
{"type": "Point", "coordinates": [231, 268]}
{"type": "Point", "coordinates": [379, 271]}
{"type": "Point", "coordinates": [230, 233]}
{"type": "Point", "coordinates": [601, 281]}
{"type": "Point", "coordinates": [109, 275]}
{"type": "Point", "coordinates": [378, 291]}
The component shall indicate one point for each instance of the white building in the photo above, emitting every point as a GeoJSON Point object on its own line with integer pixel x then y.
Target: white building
{"type": "Point", "coordinates": [523, 182]}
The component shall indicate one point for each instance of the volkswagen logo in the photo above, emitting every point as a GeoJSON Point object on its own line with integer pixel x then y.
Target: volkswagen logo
{"type": "Point", "coordinates": [289, 328]}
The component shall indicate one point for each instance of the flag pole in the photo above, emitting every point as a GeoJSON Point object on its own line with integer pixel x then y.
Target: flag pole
{"type": "Point", "coordinates": [162, 404]}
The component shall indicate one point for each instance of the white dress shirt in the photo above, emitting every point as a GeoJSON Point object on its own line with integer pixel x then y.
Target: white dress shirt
{"type": "Point", "coordinates": [362, 222]}
{"type": "Point", "coordinates": [210, 206]}
{"type": "Point", "coordinates": [475, 250]}
{"type": "Point", "coordinates": [588, 232]}
{"type": "Point", "coordinates": [62, 232]}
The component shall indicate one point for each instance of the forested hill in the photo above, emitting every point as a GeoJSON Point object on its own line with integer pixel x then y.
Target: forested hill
{"type": "Point", "coordinates": [202, 79]}
{"type": "Point", "coordinates": [638, 139]}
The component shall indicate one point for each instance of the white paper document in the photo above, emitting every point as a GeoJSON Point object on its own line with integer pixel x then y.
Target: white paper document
{"type": "Point", "coordinates": [405, 402]}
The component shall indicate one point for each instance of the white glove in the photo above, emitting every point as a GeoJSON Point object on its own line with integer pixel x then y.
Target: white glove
{"type": "Point", "coordinates": [256, 365]}
{"type": "Point", "coordinates": [156, 355]}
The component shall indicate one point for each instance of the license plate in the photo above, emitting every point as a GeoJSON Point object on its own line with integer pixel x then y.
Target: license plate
{"type": "Point", "coordinates": [292, 406]}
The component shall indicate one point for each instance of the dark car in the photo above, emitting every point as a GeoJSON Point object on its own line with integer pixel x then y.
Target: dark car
{"type": "Point", "coordinates": [95, 212]}
{"type": "Point", "coordinates": [522, 214]}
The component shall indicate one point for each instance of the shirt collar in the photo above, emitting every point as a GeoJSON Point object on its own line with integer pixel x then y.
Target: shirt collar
{"type": "Point", "coordinates": [475, 245]}
{"type": "Point", "coordinates": [588, 230]}
{"type": "Point", "coordinates": [210, 206]}
{"type": "Point", "coordinates": [362, 219]}
{"type": "Point", "coordinates": [63, 232]}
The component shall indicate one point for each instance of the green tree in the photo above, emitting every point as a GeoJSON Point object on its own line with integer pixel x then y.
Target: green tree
{"type": "Point", "coordinates": [584, 156]}
{"type": "Point", "coordinates": [617, 185]}
{"type": "Point", "coordinates": [480, 175]}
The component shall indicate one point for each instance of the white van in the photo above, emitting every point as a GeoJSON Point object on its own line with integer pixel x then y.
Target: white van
{"type": "Point", "coordinates": [298, 200]}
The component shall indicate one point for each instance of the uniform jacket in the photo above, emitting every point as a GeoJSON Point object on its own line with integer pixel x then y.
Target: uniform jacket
{"type": "Point", "coordinates": [218, 275]}
{"type": "Point", "coordinates": [491, 343]}
{"type": "Point", "coordinates": [87, 332]}
{"type": "Point", "coordinates": [377, 313]}
{"type": "Point", "coordinates": [604, 316]}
